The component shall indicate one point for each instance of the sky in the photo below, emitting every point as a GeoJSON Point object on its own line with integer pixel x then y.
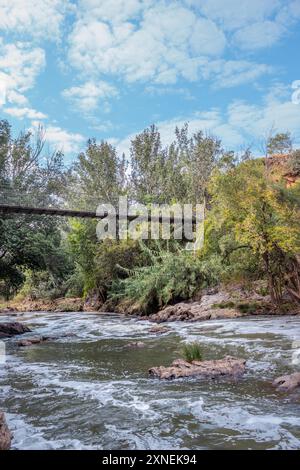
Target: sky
{"type": "Point", "coordinates": [110, 68]}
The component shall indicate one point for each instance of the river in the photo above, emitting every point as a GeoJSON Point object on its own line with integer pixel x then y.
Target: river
{"type": "Point", "coordinates": [91, 391]}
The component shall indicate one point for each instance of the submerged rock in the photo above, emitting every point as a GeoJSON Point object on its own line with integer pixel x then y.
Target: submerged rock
{"type": "Point", "coordinates": [287, 382]}
{"type": "Point", "coordinates": [42, 339]}
{"type": "Point", "coordinates": [30, 341]}
{"type": "Point", "coordinates": [228, 366]}
{"type": "Point", "coordinates": [13, 328]}
{"type": "Point", "coordinates": [157, 329]}
{"type": "Point", "coordinates": [136, 345]}
{"type": "Point", "coordinates": [5, 434]}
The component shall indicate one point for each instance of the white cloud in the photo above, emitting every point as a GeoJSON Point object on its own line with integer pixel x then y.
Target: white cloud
{"type": "Point", "coordinates": [160, 42]}
{"type": "Point", "coordinates": [22, 113]}
{"type": "Point", "coordinates": [61, 139]}
{"type": "Point", "coordinates": [40, 19]}
{"type": "Point", "coordinates": [241, 124]}
{"type": "Point", "coordinates": [16, 98]}
{"type": "Point", "coordinates": [86, 97]}
{"type": "Point", "coordinates": [20, 64]}
{"type": "Point", "coordinates": [233, 14]}
{"type": "Point", "coordinates": [259, 35]}
{"type": "Point", "coordinates": [232, 73]}
{"type": "Point", "coordinates": [166, 42]}
{"type": "Point", "coordinates": [255, 24]}
{"type": "Point", "coordinates": [257, 121]}
{"type": "Point", "coordinates": [113, 10]}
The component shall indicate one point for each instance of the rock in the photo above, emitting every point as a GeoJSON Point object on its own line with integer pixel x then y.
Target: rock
{"type": "Point", "coordinates": [228, 366]}
{"type": "Point", "coordinates": [287, 382]}
{"type": "Point", "coordinates": [194, 311]}
{"type": "Point", "coordinates": [157, 329]}
{"type": "Point", "coordinates": [30, 341]}
{"type": "Point", "coordinates": [13, 328]}
{"type": "Point", "coordinates": [8, 310]}
{"type": "Point", "coordinates": [5, 434]}
{"type": "Point", "coordinates": [42, 339]}
{"type": "Point", "coordinates": [136, 345]}
{"type": "Point", "coordinates": [203, 309]}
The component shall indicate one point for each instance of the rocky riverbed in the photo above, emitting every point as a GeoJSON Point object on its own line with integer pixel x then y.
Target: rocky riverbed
{"type": "Point", "coordinates": [87, 385]}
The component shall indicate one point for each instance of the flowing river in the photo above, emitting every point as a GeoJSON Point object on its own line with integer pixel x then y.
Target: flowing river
{"type": "Point", "coordinates": [91, 391]}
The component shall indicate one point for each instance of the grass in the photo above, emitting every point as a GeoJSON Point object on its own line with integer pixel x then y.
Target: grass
{"type": "Point", "coordinates": [192, 352]}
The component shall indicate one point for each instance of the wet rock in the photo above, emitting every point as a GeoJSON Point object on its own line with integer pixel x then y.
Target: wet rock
{"type": "Point", "coordinates": [228, 366]}
{"type": "Point", "coordinates": [42, 339]}
{"type": "Point", "coordinates": [136, 345]}
{"type": "Point", "coordinates": [157, 329]}
{"type": "Point", "coordinates": [5, 434]}
{"type": "Point", "coordinates": [31, 341]}
{"type": "Point", "coordinates": [13, 328]}
{"type": "Point", "coordinates": [287, 383]}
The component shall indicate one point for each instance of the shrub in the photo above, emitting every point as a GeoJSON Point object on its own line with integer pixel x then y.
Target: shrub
{"type": "Point", "coordinates": [171, 277]}
{"type": "Point", "coordinates": [192, 352]}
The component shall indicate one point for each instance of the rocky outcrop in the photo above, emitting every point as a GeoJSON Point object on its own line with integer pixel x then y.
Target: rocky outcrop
{"type": "Point", "coordinates": [5, 434]}
{"type": "Point", "coordinates": [216, 305]}
{"type": "Point", "coordinates": [229, 366]}
{"type": "Point", "coordinates": [12, 328]}
{"type": "Point", "coordinates": [204, 309]}
{"type": "Point", "coordinates": [287, 383]}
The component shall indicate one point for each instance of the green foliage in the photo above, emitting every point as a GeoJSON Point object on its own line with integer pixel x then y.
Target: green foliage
{"type": "Point", "coordinates": [252, 228]}
{"type": "Point", "coordinates": [30, 242]}
{"type": "Point", "coordinates": [257, 219]}
{"type": "Point", "coordinates": [172, 276]}
{"type": "Point", "coordinates": [177, 173]}
{"type": "Point", "coordinates": [192, 352]}
{"type": "Point", "coordinates": [279, 144]}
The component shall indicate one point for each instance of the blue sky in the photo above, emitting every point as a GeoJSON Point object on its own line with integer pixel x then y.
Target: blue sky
{"type": "Point", "coordinates": [109, 68]}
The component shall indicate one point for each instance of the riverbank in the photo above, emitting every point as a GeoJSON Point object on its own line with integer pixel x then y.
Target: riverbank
{"type": "Point", "coordinates": [42, 305]}
{"type": "Point", "coordinates": [227, 302]}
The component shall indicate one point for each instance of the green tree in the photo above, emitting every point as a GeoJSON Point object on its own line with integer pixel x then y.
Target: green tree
{"type": "Point", "coordinates": [260, 217]}
{"type": "Point", "coordinates": [280, 143]}
{"type": "Point", "coordinates": [29, 177]}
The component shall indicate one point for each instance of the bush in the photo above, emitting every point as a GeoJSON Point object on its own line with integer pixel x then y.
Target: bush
{"type": "Point", "coordinates": [171, 277]}
{"type": "Point", "coordinates": [192, 352]}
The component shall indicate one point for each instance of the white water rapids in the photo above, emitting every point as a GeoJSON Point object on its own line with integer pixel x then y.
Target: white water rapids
{"type": "Point", "coordinates": [90, 391]}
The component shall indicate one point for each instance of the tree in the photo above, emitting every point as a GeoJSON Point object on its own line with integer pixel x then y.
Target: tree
{"type": "Point", "coordinates": [98, 176]}
{"type": "Point", "coordinates": [26, 241]}
{"type": "Point", "coordinates": [260, 217]}
{"type": "Point", "coordinates": [177, 173]}
{"type": "Point", "coordinates": [280, 143]}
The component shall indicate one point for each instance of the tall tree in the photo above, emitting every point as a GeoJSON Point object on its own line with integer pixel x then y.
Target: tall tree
{"type": "Point", "coordinates": [28, 177]}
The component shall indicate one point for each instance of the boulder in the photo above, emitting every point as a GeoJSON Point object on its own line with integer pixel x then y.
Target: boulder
{"type": "Point", "coordinates": [228, 366]}
{"type": "Point", "coordinates": [13, 328]}
{"type": "Point", "coordinates": [136, 345]}
{"type": "Point", "coordinates": [5, 434]}
{"type": "Point", "coordinates": [287, 383]}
